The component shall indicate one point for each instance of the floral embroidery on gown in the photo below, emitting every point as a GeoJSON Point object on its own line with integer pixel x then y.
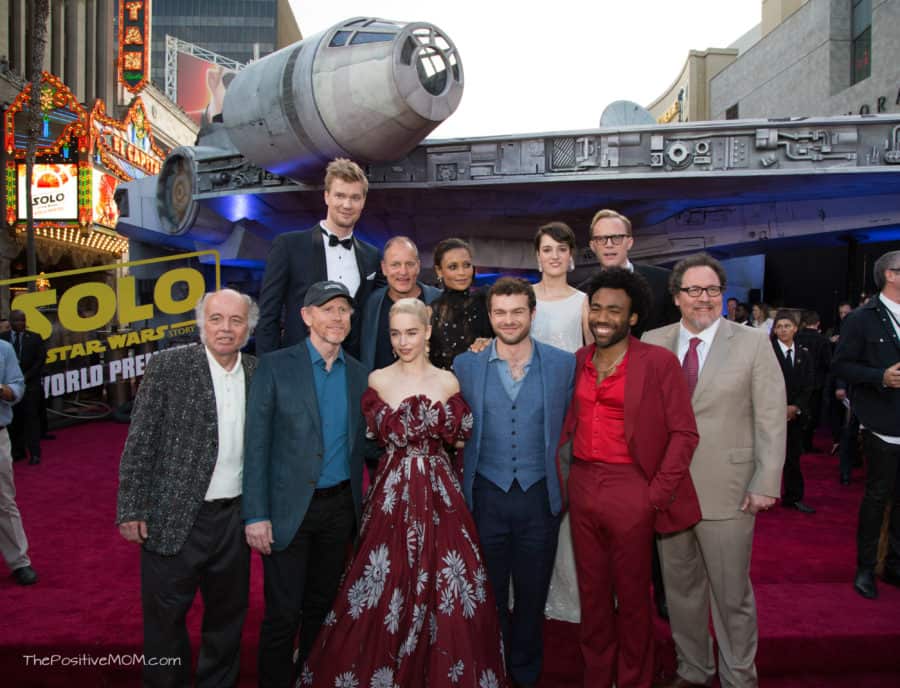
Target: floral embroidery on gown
{"type": "Point", "coordinates": [415, 607]}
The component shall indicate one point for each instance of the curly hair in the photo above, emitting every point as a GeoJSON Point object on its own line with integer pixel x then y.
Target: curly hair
{"type": "Point", "coordinates": [630, 282]}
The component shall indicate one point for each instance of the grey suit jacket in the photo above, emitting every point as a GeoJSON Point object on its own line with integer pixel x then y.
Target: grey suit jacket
{"type": "Point", "coordinates": [741, 411]}
{"type": "Point", "coordinates": [172, 446]}
{"type": "Point", "coordinates": [283, 443]}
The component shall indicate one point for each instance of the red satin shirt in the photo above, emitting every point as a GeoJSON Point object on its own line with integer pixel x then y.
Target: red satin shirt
{"type": "Point", "coordinates": [600, 415]}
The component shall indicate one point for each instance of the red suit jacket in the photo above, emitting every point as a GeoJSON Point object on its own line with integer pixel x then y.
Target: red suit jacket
{"type": "Point", "coordinates": [660, 430]}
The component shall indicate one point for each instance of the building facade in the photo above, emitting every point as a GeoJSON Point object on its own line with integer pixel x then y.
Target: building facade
{"type": "Point", "coordinates": [806, 58]}
{"type": "Point", "coordinates": [239, 29]}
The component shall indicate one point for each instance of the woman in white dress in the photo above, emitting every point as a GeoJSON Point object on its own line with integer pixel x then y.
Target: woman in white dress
{"type": "Point", "coordinates": [560, 320]}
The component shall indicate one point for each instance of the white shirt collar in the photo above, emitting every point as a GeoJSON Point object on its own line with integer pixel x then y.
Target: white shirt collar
{"type": "Point", "coordinates": [215, 366]}
{"type": "Point", "coordinates": [785, 349]}
{"type": "Point", "coordinates": [330, 233]}
{"type": "Point", "coordinates": [706, 336]}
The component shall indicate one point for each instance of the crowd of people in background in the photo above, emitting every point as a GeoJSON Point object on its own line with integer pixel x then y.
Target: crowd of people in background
{"type": "Point", "coordinates": [534, 450]}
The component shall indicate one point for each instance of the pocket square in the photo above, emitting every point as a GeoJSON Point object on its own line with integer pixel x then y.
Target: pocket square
{"type": "Point", "coordinates": [370, 277]}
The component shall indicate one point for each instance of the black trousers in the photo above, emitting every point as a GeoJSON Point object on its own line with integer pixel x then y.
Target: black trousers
{"type": "Point", "coordinates": [518, 538]}
{"type": "Point", "coordinates": [792, 476]}
{"type": "Point", "coordinates": [814, 419]}
{"type": "Point", "coordinates": [301, 582]}
{"type": "Point", "coordinates": [215, 559]}
{"type": "Point", "coordinates": [25, 429]}
{"type": "Point", "coordinates": [882, 461]}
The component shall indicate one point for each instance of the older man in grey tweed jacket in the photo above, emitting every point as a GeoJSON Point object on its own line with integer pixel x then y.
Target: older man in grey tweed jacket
{"type": "Point", "coordinates": [180, 484]}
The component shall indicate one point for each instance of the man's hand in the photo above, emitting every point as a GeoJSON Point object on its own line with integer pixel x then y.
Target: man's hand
{"type": "Point", "coordinates": [754, 503]}
{"type": "Point", "coordinates": [892, 376]}
{"type": "Point", "coordinates": [480, 344]}
{"type": "Point", "coordinates": [259, 536]}
{"type": "Point", "coordinates": [134, 531]}
{"type": "Point", "coordinates": [792, 412]}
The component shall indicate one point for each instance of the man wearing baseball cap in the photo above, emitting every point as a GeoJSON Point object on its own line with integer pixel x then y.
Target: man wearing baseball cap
{"type": "Point", "coordinates": [303, 466]}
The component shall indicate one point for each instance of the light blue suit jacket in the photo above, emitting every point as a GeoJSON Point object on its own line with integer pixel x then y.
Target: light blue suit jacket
{"type": "Point", "coordinates": [283, 445]}
{"type": "Point", "coordinates": [557, 380]}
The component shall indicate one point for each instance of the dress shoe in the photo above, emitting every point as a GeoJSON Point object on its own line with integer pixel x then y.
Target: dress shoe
{"type": "Point", "coordinates": [677, 682]}
{"type": "Point", "coordinates": [48, 436]}
{"type": "Point", "coordinates": [25, 576]}
{"type": "Point", "coordinates": [891, 577]}
{"type": "Point", "coordinates": [801, 507]}
{"type": "Point", "coordinates": [34, 460]}
{"type": "Point", "coordinates": [864, 584]}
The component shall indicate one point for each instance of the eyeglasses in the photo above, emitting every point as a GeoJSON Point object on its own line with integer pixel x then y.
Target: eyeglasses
{"type": "Point", "coordinates": [715, 290]}
{"type": "Point", "coordinates": [614, 239]}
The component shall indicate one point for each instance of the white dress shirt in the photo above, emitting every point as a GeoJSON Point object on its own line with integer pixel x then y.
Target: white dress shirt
{"type": "Point", "coordinates": [340, 263]}
{"type": "Point", "coordinates": [229, 387]}
{"type": "Point", "coordinates": [784, 351]}
{"type": "Point", "coordinates": [706, 339]}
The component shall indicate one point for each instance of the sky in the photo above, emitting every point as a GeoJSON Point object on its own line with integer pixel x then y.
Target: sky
{"type": "Point", "coordinates": [556, 66]}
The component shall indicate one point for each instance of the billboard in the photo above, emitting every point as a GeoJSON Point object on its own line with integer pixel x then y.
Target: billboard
{"type": "Point", "coordinates": [201, 87]}
{"type": "Point", "coordinates": [106, 212]}
{"type": "Point", "coordinates": [54, 192]}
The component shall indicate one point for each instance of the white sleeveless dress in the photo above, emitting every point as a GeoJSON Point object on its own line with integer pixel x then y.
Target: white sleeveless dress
{"type": "Point", "coordinates": [558, 323]}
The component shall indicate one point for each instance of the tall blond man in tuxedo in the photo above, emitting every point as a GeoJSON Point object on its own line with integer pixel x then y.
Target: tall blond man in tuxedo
{"type": "Point", "coordinates": [738, 398]}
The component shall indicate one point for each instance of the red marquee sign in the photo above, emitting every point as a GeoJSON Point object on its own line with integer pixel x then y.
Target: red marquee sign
{"type": "Point", "coordinates": [134, 44]}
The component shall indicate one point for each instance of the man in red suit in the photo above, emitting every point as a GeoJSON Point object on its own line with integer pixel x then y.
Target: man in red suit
{"type": "Point", "coordinates": [633, 435]}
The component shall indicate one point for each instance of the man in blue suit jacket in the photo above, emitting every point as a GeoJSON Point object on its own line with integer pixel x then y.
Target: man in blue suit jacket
{"type": "Point", "coordinates": [400, 267]}
{"type": "Point", "coordinates": [519, 391]}
{"type": "Point", "coordinates": [303, 463]}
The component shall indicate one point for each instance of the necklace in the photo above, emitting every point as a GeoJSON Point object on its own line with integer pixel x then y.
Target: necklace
{"type": "Point", "coordinates": [606, 371]}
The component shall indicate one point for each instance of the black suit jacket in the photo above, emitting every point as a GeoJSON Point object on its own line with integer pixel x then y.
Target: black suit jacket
{"type": "Point", "coordinates": [662, 309]}
{"type": "Point", "coordinates": [820, 350]}
{"type": "Point", "coordinates": [296, 261]}
{"type": "Point", "coordinates": [867, 346]}
{"type": "Point", "coordinates": [799, 379]}
{"type": "Point", "coordinates": [31, 357]}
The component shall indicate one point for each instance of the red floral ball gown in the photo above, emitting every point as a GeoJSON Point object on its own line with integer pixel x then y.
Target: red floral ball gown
{"type": "Point", "coordinates": [414, 608]}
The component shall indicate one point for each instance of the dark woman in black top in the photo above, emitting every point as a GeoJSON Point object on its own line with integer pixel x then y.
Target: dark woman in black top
{"type": "Point", "coordinates": [459, 316]}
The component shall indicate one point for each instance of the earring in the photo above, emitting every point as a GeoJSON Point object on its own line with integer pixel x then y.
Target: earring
{"type": "Point", "coordinates": [571, 264]}
{"type": "Point", "coordinates": [394, 351]}
{"type": "Point", "coordinates": [540, 267]}
{"type": "Point", "coordinates": [440, 282]}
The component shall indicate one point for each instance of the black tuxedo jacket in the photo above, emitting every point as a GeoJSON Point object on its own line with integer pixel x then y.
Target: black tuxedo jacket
{"type": "Point", "coordinates": [820, 349]}
{"type": "Point", "coordinates": [662, 310]}
{"type": "Point", "coordinates": [799, 379]}
{"type": "Point", "coordinates": [31, 357]}
{"type": "Point", "coordinates": [296, 261]}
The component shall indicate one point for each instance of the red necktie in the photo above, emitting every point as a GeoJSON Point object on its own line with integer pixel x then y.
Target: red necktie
{"type": "Point", "coordinates": [691, 364]}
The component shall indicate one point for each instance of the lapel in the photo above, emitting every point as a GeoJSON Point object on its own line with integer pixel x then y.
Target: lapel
{"type": "Point", "coordinates": [304, 382]}
{"type": "Point", "coordinates": [716, 359]}
{"type": "Point", "coordinates": [634, 385]}
{"type": "Point", "coordinates": [319, 271]}
{"type": "Point", "coordinates": [354, 402]}
{"type": "Point", "coordinates": [479, 372]}
{"type": "Point", "coordinates": [547, 383]}
{"type": "Point", "coordinates": [358, 253]}
{"type": "Point", "coordinates": [885, 316]}
{"type": "Point", "coordinates": [204, 386]}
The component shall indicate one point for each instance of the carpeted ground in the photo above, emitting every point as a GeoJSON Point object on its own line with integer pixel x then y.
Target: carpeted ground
{"type": "Point", "coordinates": [81, 624]}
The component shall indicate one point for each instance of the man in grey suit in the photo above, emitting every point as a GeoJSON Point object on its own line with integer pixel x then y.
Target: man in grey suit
{"type": "Point", "coordinates": [740, 405]}
{"type": "Point", "coordinates": [304, 447]}
{"type": "Point", "coordinates": [180, 494]}
{"type": "Point", "coordinates": [400, 267]}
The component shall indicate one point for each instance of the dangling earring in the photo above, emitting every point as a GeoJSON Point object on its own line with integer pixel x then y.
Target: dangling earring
{"type": "Point", "coordinates": [571, 264]}
{"type": "Point", "coordinates": [394, 351]}
{"type": "Point", "coordinates": [440, 282]}
{"type": "Point", "coordinates": [540, 267]}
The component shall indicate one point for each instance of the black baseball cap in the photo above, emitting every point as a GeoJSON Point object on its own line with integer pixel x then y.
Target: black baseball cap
{"type": "Point", "coordinates": [321, 293]}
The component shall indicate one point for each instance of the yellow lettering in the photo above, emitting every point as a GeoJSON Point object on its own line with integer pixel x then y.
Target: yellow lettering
{"type": "Point", "coordinates": [57, 353]}
{"type": "Point", "coordinates": [116, 341]}
{"type": "Point", "coordinates": [29, 302]}
{"type": "Point", "coordinates": [162, 290]}
{"type": "Point", "coordinates": [132, 339]}
{"type": "Point", "coordinates": [129, 311]}
{"type": "Point", "coordinates": [68, 306]}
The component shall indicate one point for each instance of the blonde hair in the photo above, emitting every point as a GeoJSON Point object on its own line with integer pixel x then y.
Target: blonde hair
{"type": "Point", "coordinates": [605, 213]}
{"type": "Point", "coordinates": [347, 171]}
{"type": "Point", "coordinates": [413, 307]}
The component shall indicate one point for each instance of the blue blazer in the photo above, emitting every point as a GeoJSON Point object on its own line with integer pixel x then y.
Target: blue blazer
{"type": "Point", "coordinates": [370, 324]}
{"type": "Point", "coordinates": [557, 378]}
{"type": "Point", "coordinates": [283, 445]}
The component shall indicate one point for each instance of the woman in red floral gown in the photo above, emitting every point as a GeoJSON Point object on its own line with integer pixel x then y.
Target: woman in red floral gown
{"type": "Point", "coordinates": [414, 608]}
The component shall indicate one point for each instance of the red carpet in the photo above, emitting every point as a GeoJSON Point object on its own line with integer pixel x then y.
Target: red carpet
{"type": "Point", "coordinates": [815, 631]}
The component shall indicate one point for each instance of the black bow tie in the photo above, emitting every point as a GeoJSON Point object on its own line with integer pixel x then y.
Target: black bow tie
{"type": "Point", "coordinates": [334, 241]}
